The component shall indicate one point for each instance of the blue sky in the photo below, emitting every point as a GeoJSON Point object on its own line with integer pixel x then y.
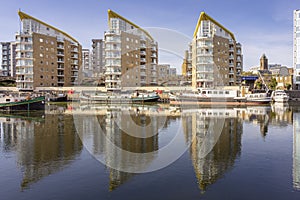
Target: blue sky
{"type": "Point", "coordinates": [261, 26]}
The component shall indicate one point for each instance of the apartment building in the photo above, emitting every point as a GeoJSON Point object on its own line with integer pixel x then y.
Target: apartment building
{"type": "Point", "coordinates": [216, 56]}
{"type": "Point", "coordinates": [296, 52]}
{"type": "Point", "coordinates": [187, 69]}
{"type": "Point", "coordinates": [46, 56]}
{"type": "Point", "coordinates": [98, 57]}
{"type": "Point", "coordinates": [131, 55]}
{"type": "Point", "coordinates": [86, 60]}
{"type": "Point", "coordinates": [165, 74]}
{"type": "Point", "coordinates": [8, 62]}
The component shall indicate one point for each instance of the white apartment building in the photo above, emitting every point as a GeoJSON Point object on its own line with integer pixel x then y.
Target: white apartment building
{"type": "Point", "coordinates": [216, 56]}
{"type": "Point", "coordinates": [296, 52]}
{"type": "Point", "coordinates": [130, 55]}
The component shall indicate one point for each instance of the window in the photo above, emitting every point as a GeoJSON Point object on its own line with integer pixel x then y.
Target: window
{"type": "Point", "coordinates": [42, 77]}
{"type": "Point", "coordinates": [41, 55]}
{"type": "Point", "coordinates": [41, 40]}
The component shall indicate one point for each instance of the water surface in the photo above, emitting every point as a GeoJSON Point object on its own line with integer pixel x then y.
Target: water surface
{"type": "Point", "coordinates": [72, 152]}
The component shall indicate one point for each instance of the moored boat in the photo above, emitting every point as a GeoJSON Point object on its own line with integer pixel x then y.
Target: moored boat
{"type": "Point", "coordinates": [261, 97]}
{"type": "Point", "coordinates": [59, 98]}
{"type": "Point", "coordinates": [280, 96]}
{"type": "Point", "coordinates": [205, 95]}
{"type": "Point", "coordinates": [10, 103]}
{"type": "Point", "coordinates": [137, 97]}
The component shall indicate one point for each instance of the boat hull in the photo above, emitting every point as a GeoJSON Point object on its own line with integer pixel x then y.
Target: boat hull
{"type": "Point", "coordinates": [119, 99]}
{"type": "Point", "coordinates": [26, 105]}
{"type": "Point", "coordinates": [59, 99]}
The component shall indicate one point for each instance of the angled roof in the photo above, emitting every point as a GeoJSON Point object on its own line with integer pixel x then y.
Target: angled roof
{"type": "Point", "coordinates": [203, 17]}
{"type": "Point", "coordinates": [23, 15]}
{"type": "Point", "coordinates": [112, 14]}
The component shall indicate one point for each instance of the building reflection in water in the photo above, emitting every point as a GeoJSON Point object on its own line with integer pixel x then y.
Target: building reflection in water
{"type": "Point", "coordinates": [117, 125]}
{"type": "Point", "coordinates": [296, 151]}
{"type": "Point", "coordinates": [43, 146]}
{"type": "Point", "coordinates": [47, 145]}
{"type": "Point", "coordinates": [226, 142]}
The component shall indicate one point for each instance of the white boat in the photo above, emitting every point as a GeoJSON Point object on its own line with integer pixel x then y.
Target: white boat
{"type": "Point", "coordinates": [280, 96]}
{"type": "Point", "coordinates": [206, 95]}
{"type": "Point", "coordinates": [261, 97]}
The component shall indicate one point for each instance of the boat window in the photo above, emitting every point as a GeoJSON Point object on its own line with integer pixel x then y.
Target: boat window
{"type": "Point", "coordinates": [203, 92]}
{"type": "Point", "coordinates": [226, 92]}
{"type": "Point", "coordinates": [209, 92]}
{"type": "Point", "coordinates": [7, 100]}
{"type": "Point", "coordinates": [215, 92]}
{"type": "Point", "coordinates": [221, 92]}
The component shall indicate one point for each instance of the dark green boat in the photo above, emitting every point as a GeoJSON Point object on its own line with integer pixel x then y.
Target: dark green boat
{"type": "Point", "coordinates": [37, 103]}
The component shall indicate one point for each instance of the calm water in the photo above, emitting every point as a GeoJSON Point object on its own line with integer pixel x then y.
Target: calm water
{"type": "Point", "coordinates": [151, 152]}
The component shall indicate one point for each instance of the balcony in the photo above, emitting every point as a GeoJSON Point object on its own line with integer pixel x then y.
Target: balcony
{"type": "Point", "coordinates": [231, 72]}
{"type": "Point", "coordinates": [60, 47]}
{"type": "Point", "coordinates": [75, 50]}
{"type": "Point", "coordinates": [153, 49]}
{"type": "Point", "coordinates": [107, 33]}
{"type": "Point", "coordinates": [113, 72]}
{"type": "Point", "coordinates": [113, 41]}
{"type": "Point", "coordinates": [74, 44]}
{"type": "Point", "coordinates": [143, 66]}
{"type": "Point", "coordinates": [143, 74]}
{"type": "Point", "coordinates": [60, 61]}
{"type": "Point", "coordinates": [143, 53]}
{"type": "Point", "coordinates": [153, 56]}
{"type": "Point", "coordinates": [231, 80]}
{"type": "Point", "coordinates": [60, 75]}
{"type": "Point", "coordinates": [24, 80]}
{"type": "Point", "coordinates": [113, 49]}
{"type": "Point", "coordinates": [60, 54]}
{"type": "Point", "coordinates": [113, 80]}
{"type": "Point", "coordinates": [74, 57]}
{"type": "Point", "coordinates": [143, 60]}
{"type": "Point", "coordinates": [112, 57]}
{"type": "Point", "coordinates": [23, 72]}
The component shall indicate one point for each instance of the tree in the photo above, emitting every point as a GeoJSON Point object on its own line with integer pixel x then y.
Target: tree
{"type": "Point", "coordinates": [273, 83]}
{"type": "Point", "coordinates": [288, 86]}
{"type": "Point", "coordinates": [258, 84]}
